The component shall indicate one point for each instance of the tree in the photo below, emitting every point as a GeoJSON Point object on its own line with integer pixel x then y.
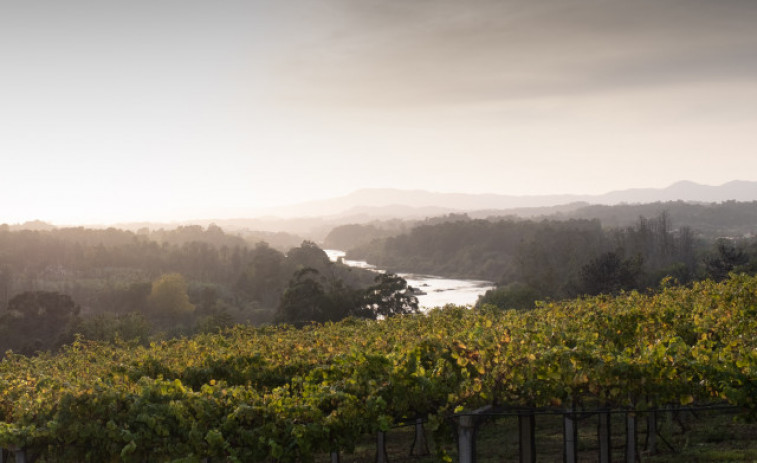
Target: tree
{"type": "Point", "coordinates": [108, 327]}
{"type": "Point", "coordinates": [728, 259]}
{"type": "Point", "coordinates": [609, 273]}
{"type": "Point", "coordinates": [512, 296]}
{"type": "Point", "coordinates": [311, 298]}
{"type": "Point", "coordinates": [218, 319]}
{"type": "Point", "coordinates": [304, 299]}
{"type": "Point", "coordinates": [132, 298]}
{"type": "Point", "coordinates": [6, 283]}
{"type": "Point", "coordinates": [37, 320]}
{"type": "Point", "coordinates": [308, 255]}
{"type": "Point", "coordinates": [168, 298]}
{"type": "Point", "coordinates": [389, 296]}
{"type": "Point", "coordinates": [264, 279]}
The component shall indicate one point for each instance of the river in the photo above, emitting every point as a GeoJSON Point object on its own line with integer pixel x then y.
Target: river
{"type": "Point", "coordinates": [439, 291]}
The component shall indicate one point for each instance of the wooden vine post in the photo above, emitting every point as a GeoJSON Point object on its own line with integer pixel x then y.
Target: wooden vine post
{"type": "Point", "coordinates": [466, 434]}
{"type": "Point", "coordinates": [420, 444]}
{"type": "Point", "coordinates": [527, 437]}
{"type": "Point", "coordinates": [19, 454]}
{"type": "Point", "coordinates": [652, 432]}
{"type": "Point", "coordinates": [632, 454]}
{"type": "Point", "coordinates": [381, 456]}
{"type": "Point", "coordinates": [570, 437]}
{"type": "Point", "coordinates": [604, 434]}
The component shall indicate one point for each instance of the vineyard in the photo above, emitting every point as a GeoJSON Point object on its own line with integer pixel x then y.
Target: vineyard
{"type": "Point", "coordinates": [283, 394]}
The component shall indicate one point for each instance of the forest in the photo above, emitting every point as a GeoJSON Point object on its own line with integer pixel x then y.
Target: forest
{"type": "Point", "coordinates": [556, 259]}
{"type": "Point", "coordinates": [108, 284]}
{"type": "Point", "coordinates": [709, 220]}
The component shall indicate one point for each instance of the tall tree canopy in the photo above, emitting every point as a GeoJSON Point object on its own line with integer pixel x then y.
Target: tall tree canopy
{"type": "Point", "coordinates": [312, 298]}
{"type": "Point", "coordinates": [37, 320]}
{"type": "Point", "coordinates": [168, 297]}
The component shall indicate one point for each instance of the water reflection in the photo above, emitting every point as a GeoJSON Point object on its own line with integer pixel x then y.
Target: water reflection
{"type": "Point", "coordinates": [435, 291]}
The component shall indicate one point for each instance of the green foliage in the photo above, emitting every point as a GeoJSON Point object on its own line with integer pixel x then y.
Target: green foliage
{"type": "Point", "coordinates": [286, 394]}
{"type": "Point", "coordinates": [312, 298]}
{"type": "Point", "coordinates": [168, 298]}
{"type": "Point", "coordinates": [728, 218]}
{"type": "Point", "coordinates": [216, 321]}
{"type": "Point", "coordinates": [308, 255]}
{"type": "Point", "coordinates": [263, 279]}
{"type": "Point", "coordinates": [110, 273]}
{"type": "Point", "coordinates": [728, 258]}
{"type": "Point", "coordinates": [269, 276]}
{"type": "Point", "coordinates": [513, 296]}
{"type": "Point", "coordinates": [37, 320]}
{"type": "Point", "coordinates": [609, 274]}
{"type": "Point", "coordinates": [305, 299]}
{"type": "Point", "coordinates": [212, 236]}
{"type": "Point", "coordinates": [111, 328]}
{"type": "Point", "coordinates": [388, 297]}
{"type": "Point", "coordinates": [354, 235]}
{"type": "Point", "coordinates": [482, 249]}
{"type": "Point", "coordinates": [557, 258]}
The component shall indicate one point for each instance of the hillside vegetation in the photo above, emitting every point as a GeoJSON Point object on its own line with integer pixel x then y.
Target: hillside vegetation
{"type": "Point", "coordinates": [287, 394]}
{"type": "Point", "coordinates": [108, 284]}
{"type": "Point", "coordinates": [556, 259]}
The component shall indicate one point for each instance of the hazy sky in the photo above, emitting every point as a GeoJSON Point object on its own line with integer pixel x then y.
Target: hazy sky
{"type": "Point", "coordinates": [161, 109]}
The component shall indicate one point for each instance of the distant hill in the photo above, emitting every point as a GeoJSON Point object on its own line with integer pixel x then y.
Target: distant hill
{"type": "Point", "coordinates": [684, 191]}
{"type": "Point", "coordinates": [414, 203]}
{"type": "Point", "coordinates": [34, 225]}
{"type": "Point", "coordinates": [314, 220]}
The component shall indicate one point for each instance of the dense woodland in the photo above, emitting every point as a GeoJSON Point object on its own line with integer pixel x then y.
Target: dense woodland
{"type": "Point", "coordinates": [557, 259]}
{"type": "Point", "coordinates": [713, 220]}
{"type": "Point", "coordinates": [146, 285]}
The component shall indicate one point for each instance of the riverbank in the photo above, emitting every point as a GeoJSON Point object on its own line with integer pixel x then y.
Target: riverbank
{"type": "Point", "coordinates": [437, 291]}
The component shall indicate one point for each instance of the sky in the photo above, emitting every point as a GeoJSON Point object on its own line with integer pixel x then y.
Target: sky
{"type": "Point", "coordinates": [185, 109]}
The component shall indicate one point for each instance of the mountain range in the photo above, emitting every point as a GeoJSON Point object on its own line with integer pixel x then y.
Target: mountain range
{"type": "Point", "coordinates": [396, 203]}
{"type": "Point", "coordinates": [314, 219]}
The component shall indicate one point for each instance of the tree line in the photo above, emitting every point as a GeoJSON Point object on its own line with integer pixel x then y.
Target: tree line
{"type": "Point", "coordinates": [710, 220]}
{"type": "Point", "coordinates": [557, 259]}
{"type": "Point", "coordinates": [109, 284]}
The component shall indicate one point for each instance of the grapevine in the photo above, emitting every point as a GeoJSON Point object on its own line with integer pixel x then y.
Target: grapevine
{"type": "Point", "coordinates": [285, 394]}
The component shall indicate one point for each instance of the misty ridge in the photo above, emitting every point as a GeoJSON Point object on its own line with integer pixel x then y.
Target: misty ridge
{"type": "Point", "coordinates": [154, 282]}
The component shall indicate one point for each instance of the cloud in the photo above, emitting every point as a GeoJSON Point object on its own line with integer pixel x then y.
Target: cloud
{"type": "Point", "coordinates": [447, 52]}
